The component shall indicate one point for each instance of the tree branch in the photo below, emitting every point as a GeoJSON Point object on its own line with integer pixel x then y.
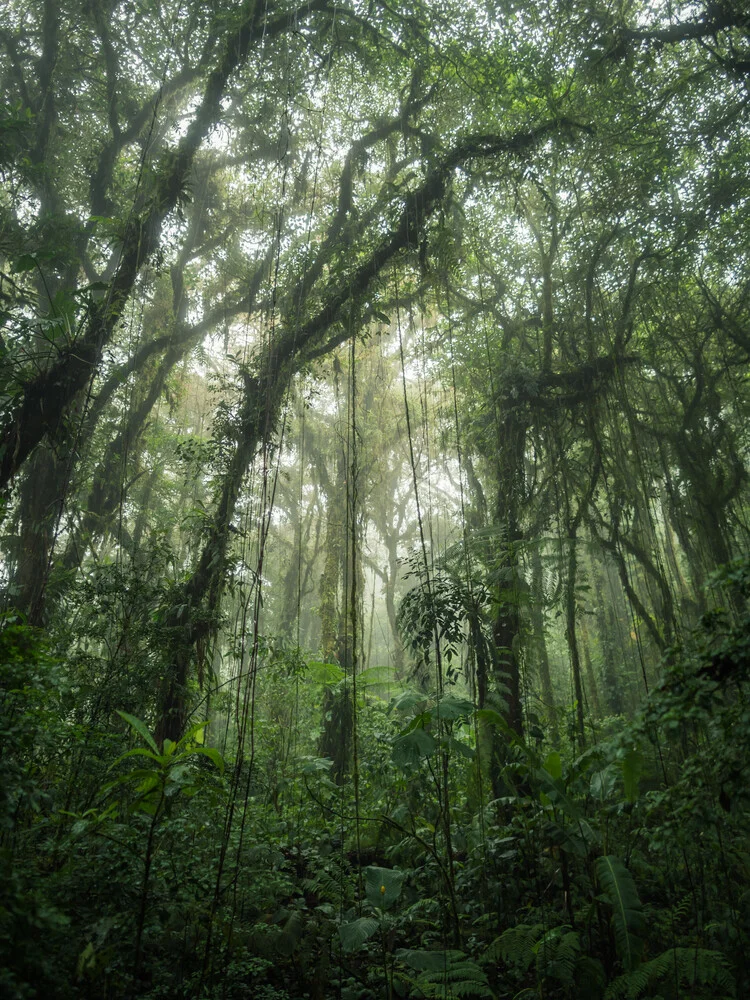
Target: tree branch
{"type": "Point", "coordinates": [45, 399]}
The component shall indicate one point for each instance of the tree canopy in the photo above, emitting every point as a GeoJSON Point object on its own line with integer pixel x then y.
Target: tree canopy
{"type": "Point", "coordinates": [374, 484]}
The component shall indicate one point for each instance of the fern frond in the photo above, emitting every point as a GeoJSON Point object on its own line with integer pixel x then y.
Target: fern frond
{"type": "Point", "coordinates": [444, 975]}
{"type": "Point", "coordinates": [515, 945]}
{"type": "Point", "coordinates": [325, 886]}
{"type": "Point", "coordinates": [331, 882]}
{"type": "Point", "coordinates": [680, 910]}
{"type": "Point", "coordinates": [557, 954]}
{"type": "Point", "coordinates": [690, 967]}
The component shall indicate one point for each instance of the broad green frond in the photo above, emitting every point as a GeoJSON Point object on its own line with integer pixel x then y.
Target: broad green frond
{"type": "Point", "coordinates": [701, 971]}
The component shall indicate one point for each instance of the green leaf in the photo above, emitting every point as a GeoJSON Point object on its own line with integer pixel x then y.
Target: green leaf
{"type": "Point", "coordinates": [495, 719]}
{"type": "Point", "coordinates": [150, 782]}
{"type": "Point", "coordinates": [409, 749]}
{"type": "Point", "coordinates": [377, 676]}
{"type": "Point", "coordinates": [125, 779]}
{"type": "Point", "coordinates": [191, 736]}
{"type": "Point", "coordinates": [632, 768]}
{"type": "Point", "coordinates": [26, 262]}
{"type": "Point", "coordinates": [140, 728]}
{"type": "Point", "coordinates": [316, 765]}
{"type": "Point", "coordinates": [553, 765]}
{"type": "Point", "coordinates": [461, 748]}
{"type": "Point", "coordinates": [602, 782]}
{"type": "Point", "coordinates": [383, 886]}
{"type": "Point", "coordinates": [426, 961]}
{"type": "Point", "coordinates": [420, 721]}
{"type": "Point", "coordinates": [557, 953]}
{"type": "Point", "coordinates": [451, 708]}
{"type": "Point", "coordinates": [136, 753]}
{"type": "Point", "coordinates": [693, 967]}
{"type": "Point", "coordinates": [213, 755]}
{"type": "Point", "coordinates": [326, 674]}
{"type": "Point", "coordinates": [86, 960]}
{"type": "Point", "coordinates": [353, 935]}
{"type": "Point", "coordinates": [627, 911]}
{"type": "Point", "coordinates": [407, 701]}
{"type": "Point", "coordinates": [515, 946]}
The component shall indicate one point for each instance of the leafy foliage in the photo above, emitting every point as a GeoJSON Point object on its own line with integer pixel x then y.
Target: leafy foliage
{"type": "Point", "coordinates": [698, 970]}
{"type": "Point", "coordinates": [374, 491]}
{"type": "Point", "coordinates": [627, 912]}
{"type": "Point", "coordinates": [446, 974]}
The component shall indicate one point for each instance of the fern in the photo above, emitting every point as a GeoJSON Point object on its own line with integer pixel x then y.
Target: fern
{"type": "Point", "coordinates": [555, 952]}
{"type": "Point", "coordinates": [680, 911]}
{"type": "Point", "coordinates": [627, 911]}
{"type": "Point", "coordinates": [689, 967]}
{"type": "Point", "coordinates": [331, 883]}
{"type": "Point", "coordinates": [590, 977]}
{"type": "Point", "coordinates": [515, 945]}
{"type": "Point", "coordinates": [557, 955]}
{"type": "Point", "coordinates": [444, 975]}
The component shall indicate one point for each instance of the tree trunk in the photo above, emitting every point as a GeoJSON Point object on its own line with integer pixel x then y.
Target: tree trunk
{"type": "Point", "coordinates": [39, 510]}
{"type": "Point", "coordinates": [540, 642]}
{"type": "Point", "coordinates": [570, 634]}
{"type": "Point", "coordinates": [605, 631]}
{"type": "Point", "coordinates": [592, 688]}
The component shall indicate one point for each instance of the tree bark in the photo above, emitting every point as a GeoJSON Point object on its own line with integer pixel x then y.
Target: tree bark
{"type": "Point", "coordinates": [540, 642]}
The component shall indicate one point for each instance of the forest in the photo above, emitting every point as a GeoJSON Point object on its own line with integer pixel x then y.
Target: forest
{"type": "Point", "coordinates": [375, 499]}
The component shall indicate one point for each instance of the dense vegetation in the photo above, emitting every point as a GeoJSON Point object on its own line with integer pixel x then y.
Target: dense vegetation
{"type": "Point", "coordinates": [374, 457]}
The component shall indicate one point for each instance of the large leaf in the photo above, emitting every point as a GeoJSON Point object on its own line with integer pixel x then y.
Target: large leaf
{"type": "Point", "coordinates": [451, 708]}
{"type": "Point", "coordinates": [410, 748]}
{"type": "Point", "coordinates": [429, 961]}
{"type": "Point", "coordinates": [632, 766]}
{"type": "Point", "coordinates": [327, 674]}
{"type": "Point", "coordinates": [627, 912]}
{"type": "Point", "coordinates": [213, 755]}
{"type": "Point", "coordinates": [557, 953]}
{"type": "Point", "coordinates": [383, 886]}
{"type": "Point", "coordinates": [460, 748]}
{"type": "Point", "coordinates": [553, 765]}
{"type": "Point", "coordinates": [407, 701]}
{"type": "Point", "coordinates": [140, 728]}
{"type": "Point", "coordinates": [602, 783]}
{"type": "Point", "coordinates": [316, 765]}
{"type": "Point", "coordinates": [377, 677]}
{"type": "Point", "coordinates": [195, 734]}
{"type": "Point", "coordinates": [136, 753]}
{"type": "Point", "coordinates": [693, 967]}
{"type": "Point", "coordinates": [354, 934]}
